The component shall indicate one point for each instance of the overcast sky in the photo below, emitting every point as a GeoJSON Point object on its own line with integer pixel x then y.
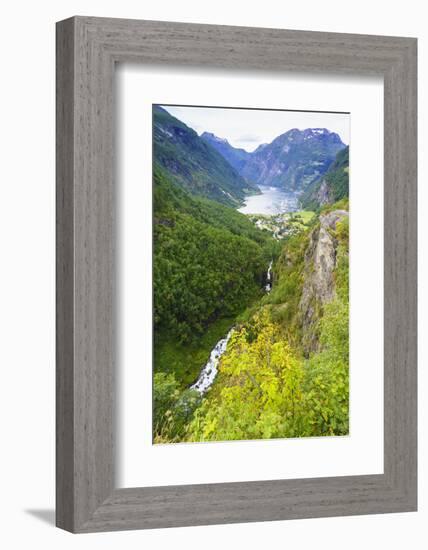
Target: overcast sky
{"type": "Point", "coordinates": [248, 128]}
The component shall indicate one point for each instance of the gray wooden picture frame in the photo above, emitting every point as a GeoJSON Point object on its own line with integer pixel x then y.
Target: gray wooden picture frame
{"type": "Point", "coordinates": [87, 50]}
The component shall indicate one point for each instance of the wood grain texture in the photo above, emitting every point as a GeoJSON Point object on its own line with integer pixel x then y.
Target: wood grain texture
{"type": "Point", "coordinates": [64, 276]}
{"type": "Point", "coordinates": [87, 49]}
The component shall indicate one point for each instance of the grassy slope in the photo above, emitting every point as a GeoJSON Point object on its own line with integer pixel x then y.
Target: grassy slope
{"type": "Point", "coordinates": [306, 215]}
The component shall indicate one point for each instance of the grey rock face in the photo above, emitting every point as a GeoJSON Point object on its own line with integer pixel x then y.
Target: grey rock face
{"type": "Point", "coordinates": [332, 186]}
{"type": "Point", "coordinates": [294, 160]}
{"type": "Point", "coordinates": [318, 287]}
{"type": "Point", "coordinates": [236, 157]}
{"type": "Point", "coordinates": [323, 195]}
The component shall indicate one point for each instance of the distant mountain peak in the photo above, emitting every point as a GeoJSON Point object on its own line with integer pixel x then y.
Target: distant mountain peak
{"type": "Point", "coordinates": [294, 159]}
{"type": "Point", "coordinates": [236, 157]}
{"type": "Point", "coordinates": [321, 132]}
{"type": "Point", "coordinates": [212, 136]}
{"type": "Point", "coordinates": [317, 131]}
{"type": "Point", "coordinates": [194, 163]}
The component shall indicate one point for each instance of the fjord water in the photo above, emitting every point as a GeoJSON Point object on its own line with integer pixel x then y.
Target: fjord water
{"type": "Point", "coordinates": [271, 201]}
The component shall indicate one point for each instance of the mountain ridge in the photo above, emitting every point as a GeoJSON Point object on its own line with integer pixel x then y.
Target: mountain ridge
{"type": "Point", "coordinates": [209, 166]}
{"type": "Point", "coordinates": [333, 186]}
{"type": "Point", "coordinates": [293, 160]}
{"type": "Point", "coordinates": [193, 164]}
{"type": "Point", "coordinates": [237, 157]}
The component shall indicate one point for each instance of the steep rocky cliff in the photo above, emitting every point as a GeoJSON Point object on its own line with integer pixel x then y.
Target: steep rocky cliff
{"type": "Point", "coordinates": [323, 194]}
{"type": "Point", "coordinates": [319, 276]}
{"type": "Point", "coordinates": [234, 156]}
{"type": "Point", "coordinates": [295, 159]}
{"type": "Point", "coordinates": [193, 164]}
{"type": "Point", "coordinates": [332, 186]}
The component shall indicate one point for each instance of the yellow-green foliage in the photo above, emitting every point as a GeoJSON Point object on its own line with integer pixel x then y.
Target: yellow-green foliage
{"type": "Point", "coordinates": [327, 386]}
{"type": "Point", "coordinates": [342, 204]}
{"type": "Point", "coordinates": [288, 284]}
{"type": "Point", "coordinates": [260, 390]}
{"type": "Point", "coordinates": [266, 391]}
{"type": "Point", "coordinates": [265, 387]}
{"type": "Point", "coordinates": [304, 217]}
{"type": "Point", "coordinates": [342, 267]}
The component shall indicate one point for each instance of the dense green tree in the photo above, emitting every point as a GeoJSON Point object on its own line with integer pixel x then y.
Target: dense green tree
{"type": "Point", "coordinates": [209, 261]}
{"type": "Point", "coordinates": [209, 265]}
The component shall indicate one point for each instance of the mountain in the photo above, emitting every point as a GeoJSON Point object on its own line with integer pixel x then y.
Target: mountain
{"type": "Point", "coordinates": [294, 160]}
{"type": "Point", "coordinates": [332, 186]}
{"type": "Point", "coordinates": [236, 157]}
{"type": "Point", "coordinates": [194, 164]}
{"type": "Point", "coordinates": [260, 147]}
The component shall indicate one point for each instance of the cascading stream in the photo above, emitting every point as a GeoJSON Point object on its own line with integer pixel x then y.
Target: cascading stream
{"type": "Point", "coordinates": [210, 369]}
{"type": "Point", "coordinates": [268, 286]}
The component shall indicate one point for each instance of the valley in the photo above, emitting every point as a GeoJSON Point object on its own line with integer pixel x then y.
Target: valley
{"type": "Point", "coordinates": [251, 298]}
{"type": "Point", "coordinates": [284, 224]}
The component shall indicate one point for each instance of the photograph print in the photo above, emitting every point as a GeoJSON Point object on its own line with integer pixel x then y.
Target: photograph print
{"type": "Point", "coordinates": [250, 274]}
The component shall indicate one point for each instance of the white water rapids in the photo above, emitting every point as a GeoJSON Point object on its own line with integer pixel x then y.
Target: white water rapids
{"type": "Point", "coordinates": [210, 369]}
{"type": "Point", "coordinates": [268, 286]}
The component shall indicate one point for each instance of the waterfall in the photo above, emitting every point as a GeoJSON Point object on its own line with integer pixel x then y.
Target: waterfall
{"type": "Point", "coordinates": [209, 371]}
{"type": "Point", "coordinates": [268, 286]}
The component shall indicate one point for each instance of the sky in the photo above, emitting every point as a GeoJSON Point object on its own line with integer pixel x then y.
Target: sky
{"type": "Point", "coordinates": [249, 128]}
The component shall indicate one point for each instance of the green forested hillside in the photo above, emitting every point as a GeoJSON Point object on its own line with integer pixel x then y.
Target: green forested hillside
{"type": "Point", "coordinates": [169, 199]}
{"type": "Point", "coordinates": [270, 384]}
{"type": "Point", "coordinates": [266, 386]}
{"type": "Point", "coordinates": [209, 264]}
{"type": "Point", "coordinates": [193, 164]}
{"type": "Point", "coordinates": [251, 313]}
{"type": "Point", "coordinates": [331, 187]}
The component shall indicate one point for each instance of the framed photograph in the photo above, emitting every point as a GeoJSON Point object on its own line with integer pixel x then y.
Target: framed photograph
{"type": "Point", "coordinates": [236, 274]}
